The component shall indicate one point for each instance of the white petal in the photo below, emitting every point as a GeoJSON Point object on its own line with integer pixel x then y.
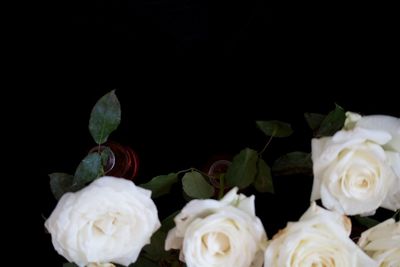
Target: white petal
{"type": "Point", "coordinates": [394, 161]}
{"type": "Point", "coordinates": [351, 119]}
{"type": "Point", "coordinates": [173, 241]}
{"type": "Point", "coordinates": [382, 242]}
{"type": "Point", "coordinates": [383, 123]}
{"type": "Point", "coordinates": [247, 205]}
{"type": "Point", "coordinates": [392, 200]}
{"type": "Point", "coordinates": [317, 148]}
{"type": "Point", "coordinates": [194, 209]}
{"type": "Point", "coordinates": [231, 196]}
{"type": "Point", "coordinates": [358, 135]}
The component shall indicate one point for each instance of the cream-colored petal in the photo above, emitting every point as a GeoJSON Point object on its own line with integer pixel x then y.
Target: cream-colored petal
{"type": "Point", "coordinates": [173, 241]}
{"type": "Point", "coordinates": [247, 205]}
{"type": "Point", "coordinates": [383, 123]}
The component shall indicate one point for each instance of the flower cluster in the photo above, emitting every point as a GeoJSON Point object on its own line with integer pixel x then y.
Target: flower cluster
{"type": "Point", "coordinates": [105, 221]}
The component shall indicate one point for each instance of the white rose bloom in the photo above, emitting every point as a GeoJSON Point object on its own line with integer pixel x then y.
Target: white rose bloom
{"type": "Point", "coordinates": [357, 170]}
{"type": "Point", "coordinates": [213, 233]}
{"type": "Point", "coordinates": [108, 221]}
{"type": "Point", "coordinates": [319, 238]}
{"type": "Point", "coordinates": [382, 243]}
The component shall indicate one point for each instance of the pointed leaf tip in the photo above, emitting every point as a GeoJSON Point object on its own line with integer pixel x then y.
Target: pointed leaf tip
{"type": "Point", "coordinates": [263, 182]}
{"type": "Point", "coordinates": [60, 183]}
{"type": "Point", "coordinates": [161, 185]}
{"type": "Point", "coordinates": [105, 117]}
{"type": "Point", "coordinates": [332, 123]}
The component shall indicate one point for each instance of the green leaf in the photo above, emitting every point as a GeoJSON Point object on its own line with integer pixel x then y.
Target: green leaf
{"type": "Point", "coordinates": [293, 163]}
{"type": "Point", "coordinates": [195, 186]}
{"type": "Point", "coordinates": [314, 120]}
{"type": "Point", "coordinates": [155, 250]}
{"type": "Point", "coordinates": [332, 123]}
{"type": "Point", "coordinates": [243, 169]}
{"type": "Point", "coordinates": [161, 185]}
{"type": "Point", "coordinates": [60, 183]}
{"type": "Point", "coordinates": [366, 221]}
{"type": "Point", "coordinates": [105, 117]}
{"type": "Point", "coordinates": [275, 128]}
{"type": "Point", "coordinates": [70, 264]}
{"type": "Point", "coordinates": [263, 182]}
{"type": "Point", "coordinates": [144, 262]}
{"type": "Point", "coordinates": [89, 169]}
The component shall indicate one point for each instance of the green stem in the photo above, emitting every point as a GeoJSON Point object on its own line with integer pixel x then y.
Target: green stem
{"type": "Point", "coordinates": [186, 170]}
{"type": "Point", "coordinates": [101, 173]}
{"type": "Point", "coordinates": [194, 169]}
{"type": "Point", "coordinates": [266, 145]}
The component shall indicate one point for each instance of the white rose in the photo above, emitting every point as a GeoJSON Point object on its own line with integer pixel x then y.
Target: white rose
{"type": "Point", "coordinates": [382, 243]}
{"type": "Point", "coordinates": [108, 221]}
{"type": "Point", "coordinates": [319, 238]}
{"type": "Point", "coordinates": [357, 170]}
{"type": "Point", "coordinates": [213, 233]}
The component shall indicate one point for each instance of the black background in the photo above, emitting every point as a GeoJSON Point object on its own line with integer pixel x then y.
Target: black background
{"type": "Point", "coordinates": [192, 77]}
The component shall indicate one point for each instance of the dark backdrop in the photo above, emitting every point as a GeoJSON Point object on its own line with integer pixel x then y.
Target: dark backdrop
{"type": "Point", "coordinates": [192, 76]}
